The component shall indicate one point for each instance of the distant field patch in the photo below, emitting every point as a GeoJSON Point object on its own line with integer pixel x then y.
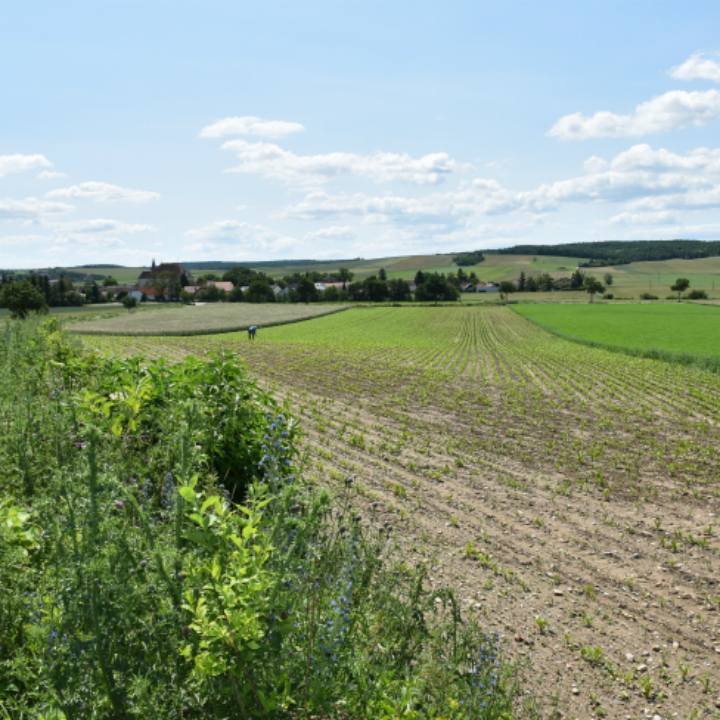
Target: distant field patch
{"type": "Point", "coordinates": [676, 328]}
{"type": "Point", "coordinates": [202, 319]}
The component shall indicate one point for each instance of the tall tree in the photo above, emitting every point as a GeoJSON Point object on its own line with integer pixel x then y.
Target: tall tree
{"type": "Point", "coordinates": [505, 288]}
{"type": "Point", "coordinates": [680, 286]}
{"type": "Point", "coordinates": [592, 286]}
{"type": "Point", "coordinates": [22, 298]}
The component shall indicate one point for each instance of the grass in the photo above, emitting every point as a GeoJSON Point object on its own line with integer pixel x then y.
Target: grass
{"type": "Point", "coordinates": [202, 319]}
{"type": "Point", "coordinates": [667, 327]}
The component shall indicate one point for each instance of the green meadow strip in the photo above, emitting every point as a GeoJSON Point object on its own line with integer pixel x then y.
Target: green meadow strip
{"type": "Point", "coordinates": [704, 362]}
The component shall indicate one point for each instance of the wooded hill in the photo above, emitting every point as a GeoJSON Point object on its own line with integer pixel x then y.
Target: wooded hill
{"type": "Point", "coordinates": [621, 252]}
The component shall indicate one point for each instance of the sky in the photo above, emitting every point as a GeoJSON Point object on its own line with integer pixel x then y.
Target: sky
{"type": "Point", "coordinates": [245, 131]}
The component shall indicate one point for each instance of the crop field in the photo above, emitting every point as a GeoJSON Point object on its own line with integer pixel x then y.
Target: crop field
{"type": "Point", "coordinates": [201, 319]}
{"type": "Point", "coordinates": [571, 495]}
{"type": "Point", "coordinates": [674, 327]}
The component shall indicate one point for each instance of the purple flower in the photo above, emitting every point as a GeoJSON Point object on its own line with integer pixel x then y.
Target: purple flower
{"type": "Point", "coordinates": [121, 504]}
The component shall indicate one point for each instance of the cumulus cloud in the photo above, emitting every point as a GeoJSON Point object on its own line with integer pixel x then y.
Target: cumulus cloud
{"type": "Point", "coordinates": [103, 192]}
{"type": "Point", "coordinates": [100, 225]}
{"type": "Point", "coordinates": [51, 174]}
{"type": "Point", "coordinates": [697, 67]}
{"type": "Point", "coordinates": [250, 125]}
{"type": "Point", "coordinates": [447, 209]}
{"type": "Point", "coordinates": [31, 209]}
{"type": "Point", "coordinates": [272, 161]}
{"type": "Point", "coordinates": [646, 180]}
{"type": "Point", "coordinates": [18, 163]}
{"type": "Point", "coordinates": [673, 110]}
{"type": "Point", "coordinates": [660, 217]}
{"type": "Point", "coordinates": [244, 236]}
{"type": "Point", "coordinates": [344, 232]}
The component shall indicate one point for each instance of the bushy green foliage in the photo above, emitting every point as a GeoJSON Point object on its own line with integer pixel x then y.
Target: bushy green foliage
{"type": "Point", "coordinates": [159, 558]}
{"type": "Point", "coordinates": [21, 299]}
{"type": "Point", "coordinates": [469, 258]}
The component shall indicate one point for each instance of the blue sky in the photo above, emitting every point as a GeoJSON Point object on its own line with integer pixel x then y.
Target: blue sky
{"type": "Point", "coordinates": [264, 130]}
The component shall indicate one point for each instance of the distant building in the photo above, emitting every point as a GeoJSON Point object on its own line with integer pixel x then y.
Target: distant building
{"type": "Point", "coordinates": [220, 285]}
{"type": "Point", "coordinates": [486, 287]}
{"type": "Point", "coordinates": [148, 277]}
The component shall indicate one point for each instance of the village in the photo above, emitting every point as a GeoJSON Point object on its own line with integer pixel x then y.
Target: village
{"type": "Point", "coordinates": [174, 282]}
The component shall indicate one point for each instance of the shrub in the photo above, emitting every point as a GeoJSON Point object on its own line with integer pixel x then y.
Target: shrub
{"type": "Point", "coordinates": [648, 296]}
{"type": "Point", "coordinates": [696, 295]}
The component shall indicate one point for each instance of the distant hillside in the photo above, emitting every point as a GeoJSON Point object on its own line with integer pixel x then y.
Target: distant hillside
{"type": "Point", "coordinates": [211, 265]}
{"type": "Point", "coordinates": [622, 252]}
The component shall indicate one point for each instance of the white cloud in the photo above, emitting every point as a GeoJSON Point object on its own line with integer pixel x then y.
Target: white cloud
{"type": "Point", "coordinates": [344, 232]}
{"type": "Point", "coordinates": [51, 174]}
{"type": "Point", "coordinates": [441, 210]}
{"type": "Point", "coordinates": [697, 67]}
{"type": "Point", "coordinates": [30, 209]}
{"type": "Point", "coordinates": [272, 161]}
{"type": "Point", "coordinates": [18, 163]}
{"type": "Point", "coordinates": [645, 179]}
{"type": "Point", "coordinates": [673, 110]}
{"type": "Point", "coordinates": [100, 225]}
{"type": "Point", "coordinates": [22, 240]}
{"type": "Point", "coordinates": [660, 217]}
{"type": "Point", "coordinates": [103, 192]}
{"type": "Point", "coordinates": [243, 236]}
{"type": "Point", "coordinates": [250, 125]}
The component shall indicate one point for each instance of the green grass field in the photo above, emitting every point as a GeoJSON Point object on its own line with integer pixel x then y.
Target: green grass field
{"type": "Point", "coordinates": [673, 327]}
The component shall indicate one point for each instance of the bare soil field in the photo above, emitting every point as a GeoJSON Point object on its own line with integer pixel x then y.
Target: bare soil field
{"type": "Point", "coordinates": [570, 495]}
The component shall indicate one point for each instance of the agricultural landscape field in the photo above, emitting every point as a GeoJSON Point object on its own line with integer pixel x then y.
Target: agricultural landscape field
{"type": "Point", "coordinates": [201, 319]}
{"type": "Point", "coordinates": [678, 328]}
{"type": "Point", "coordinates": [628, 281]}
{"type": "Point", "coordinates": [569, 493]}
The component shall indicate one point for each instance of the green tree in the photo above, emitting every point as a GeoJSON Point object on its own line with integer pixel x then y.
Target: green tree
{"type": "Point", "coordinates": [399, 290]}
{"type": "Point", "coordinates": [307, 291]}
{"type": "Point", "coordinates": [331, 294]}
{"type": "Point", "coordinates": [434, 288]}
{"type": "Point", "coordinates": [344, 275]}
{"type": "Point", "coordinates": [419, 277]}
{"type": "Point", "coordinates": [505, 288]}
{"type": "Point", "coordinates": [375, 289]}
{"type": "Point", "coordinates": [577, 279]}
{"type": "Point", "coordinates": [382, 275]}
{"type": "Point", "coordinates": [522, 284]}
{"type": "Point", "coordinates": [680, 286]}
{"type": "Point", "coordinates": [259, 292]}
{"type": "Point", "coordinates": [109, 280]}
{"type": "Point", "coordinates": [592, 286]}
{"type": "Point", "coordinates": [235, 295]}
{"type": "Point", "coordinates": [212, 293]}
{"type": "Point", "coordinates": [22, 298]}
{"type": "Point", "coordinates": [608, 278]}
{"type": "Point", "coordinates": [129, 302]}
